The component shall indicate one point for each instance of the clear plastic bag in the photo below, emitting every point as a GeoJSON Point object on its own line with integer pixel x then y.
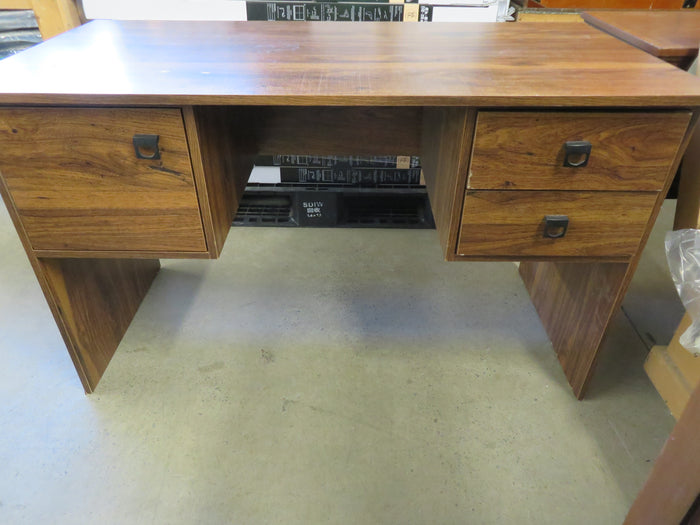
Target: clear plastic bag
{"type": "Point", "coordinates": [683, 255]}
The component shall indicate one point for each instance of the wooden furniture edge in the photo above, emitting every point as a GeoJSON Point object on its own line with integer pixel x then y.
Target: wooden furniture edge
{"type": "Point", "coordinates": [55, 16]}
{"type": "Point", "coordinates": [96, 299]}
{"type": "Point", "coordinates": [668, 379]}
{"type": "Point", "coordinates": [222, 152]}
{"type": "Point", "coordinates": [135, 254]}
{"type": "Point", "coordinates": [447, 139]}
{"type": "Point", "coordinates": [15, 4]}
{"type": "Point", "coordinates": [688, 204]}
{"type": "Point", "coordinates": [548, 16]}
{"type": "Point", "coordinates": [629, 38]}
{"type": "Point", "coordinates": [674, 483]}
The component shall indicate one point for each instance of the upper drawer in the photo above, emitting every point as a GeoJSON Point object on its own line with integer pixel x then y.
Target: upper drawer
{"type": "Point", "coordinates": [78, 184]}
{"type": "Point", "coordinates": [527, 150]}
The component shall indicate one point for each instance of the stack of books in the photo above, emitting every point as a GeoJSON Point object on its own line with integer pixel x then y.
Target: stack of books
{"type": "Point", "coordinates": [337, 191]}
{"type": "Point", "coordinates": [368, 172]}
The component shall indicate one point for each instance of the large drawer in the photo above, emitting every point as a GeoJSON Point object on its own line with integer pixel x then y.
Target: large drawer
{"type": "Point", "coordinates": [526, 150]}
{"type": "Point", "coordinates": [78, 183]}
{"type": "Point", "coordinates": [512, 223]}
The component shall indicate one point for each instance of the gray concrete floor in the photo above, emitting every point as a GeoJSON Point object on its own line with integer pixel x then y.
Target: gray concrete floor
{"type": "Point", "coordinates": [327, 376]}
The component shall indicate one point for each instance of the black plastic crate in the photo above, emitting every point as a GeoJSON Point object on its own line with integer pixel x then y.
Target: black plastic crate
{"type": "Point", "coordinates": [340, 207]}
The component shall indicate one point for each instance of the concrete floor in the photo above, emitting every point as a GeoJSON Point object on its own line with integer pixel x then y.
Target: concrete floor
{"type": "Point", "coordinates": [327, 376]}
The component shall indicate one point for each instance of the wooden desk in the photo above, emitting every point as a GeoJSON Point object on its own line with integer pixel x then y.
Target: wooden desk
{"type": "Point", "coordinates": [673, 36]}
{"type": "Point", "coordinates": [141, 147]}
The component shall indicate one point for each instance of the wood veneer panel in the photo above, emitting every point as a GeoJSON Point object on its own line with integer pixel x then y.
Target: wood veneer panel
{"type": "Point", "coordinates": [665, 34]}
{"type": "Point", "coordinates": [223, 149]}
{"type": "Point", "coordinates": [77, 184]}
{"type": "Point", "coordinates": [511, 223]}
{"type": "Point", "coordinates": [55, 16]}
{"type": "Point", "coordinates": [446, 143]}
{"type": "Point", "coordinates": [318, 63]}
{"type": "Point", "coordinates": [688, 205]}
{"type": "Point", "coordinates": [15, 4]}
{"type": "Point", "coordinates": [338, 131]}
{"type": "Point", "coordinates": [525, 150]}
{"type": "Point", "coordinates": [96, 300]}
{"type": "Point", "coordinates": [674, 482]}
{"type": "Point", "coordinates": [574, 302]}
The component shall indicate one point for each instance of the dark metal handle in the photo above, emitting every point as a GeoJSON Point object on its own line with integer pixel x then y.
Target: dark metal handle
{"type": "Point", "coordinates": [146, 147]}
{"type": "Point", "coordinates": [555, 226]}
{"type": "Point", "coordinates": [577, 148]}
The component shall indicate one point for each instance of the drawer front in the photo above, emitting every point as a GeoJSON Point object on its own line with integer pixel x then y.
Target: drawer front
{"type": "Point", "coordinates": [527, 150]}
{"type": "Point", "coordinates": [77, 183]}
{"type": "Point", "coordinates": [512, 223]}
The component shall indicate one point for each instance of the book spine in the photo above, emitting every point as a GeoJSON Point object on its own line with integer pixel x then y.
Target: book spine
{"type": "Point", "coordinates": [324, 11]}
{"type": "Point", "coordinates": [338, 161]}
{"type": "Point", "coordinates": [352, 176]}
{"type": "Point", "coordinates": [425, 13]}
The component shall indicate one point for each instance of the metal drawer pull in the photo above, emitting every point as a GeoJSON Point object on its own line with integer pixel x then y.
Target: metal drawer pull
{"type": "Point", "coordinates": [580, 150]}
{"type": "Point", "coordinates": [555, 226]}
{"type": "Point", "coordinates": [146, 147]}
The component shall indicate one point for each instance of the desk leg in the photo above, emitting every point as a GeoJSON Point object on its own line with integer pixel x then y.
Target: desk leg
{"type": "Point", "coordinates": [576, 302]}
{"type": "Point", "coordinates": [93, 302]}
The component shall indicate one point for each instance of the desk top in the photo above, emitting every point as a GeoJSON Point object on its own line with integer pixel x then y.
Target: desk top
{"type": "Point", "coordinates": [331, 63]}
{"type": "Point", "coordinates": [660, 33]}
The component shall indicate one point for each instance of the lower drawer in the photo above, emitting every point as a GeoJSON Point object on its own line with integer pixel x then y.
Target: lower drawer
{"type": "Point", "coordinates": [513, 223]}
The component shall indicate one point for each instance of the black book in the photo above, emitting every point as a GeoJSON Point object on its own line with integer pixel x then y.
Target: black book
{"type": "Point", "coordinates": [352, 176]}
{"type": "Point", "coordinates": [339, 161]}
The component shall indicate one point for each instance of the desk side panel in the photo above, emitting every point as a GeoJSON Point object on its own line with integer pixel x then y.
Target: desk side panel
{"type": "Point", "coordinates": [674, 483]}
{"type": "Point", "coordinates": [222, 148]}
{"type": "Point", "coordinates": [446, 146]}
{"type": "Point", "coordinates": [575, 302]}
{"type": "Point", "coordinates": [96, 300]}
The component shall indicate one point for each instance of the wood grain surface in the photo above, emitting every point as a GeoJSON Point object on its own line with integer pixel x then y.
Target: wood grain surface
{"type": "Point", "coordinates": [78, 185]}
{"type": "Point", "coordinates": [525, 150]}
{"type": "Point", "coordinates": [665, 34]}
{"type": "Point", "coordinates": [318, 63]}
{"type": "Point", "coordinates": [223, 149]}
{"type": "Point", "coordinates": [575, 302]}
{"type": "Point", "coordinates": [97, 299]}
{"type": "Point", "coordinates": [336, 130]}
{"type": "Point", "coordinates": [447, 137]}
{"type": "Point", "coordinates": [688, 203]}
{"type": "Point", "coordinates": [511, 223]}
{"type": "Point", "coordinates": [55, 16]}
